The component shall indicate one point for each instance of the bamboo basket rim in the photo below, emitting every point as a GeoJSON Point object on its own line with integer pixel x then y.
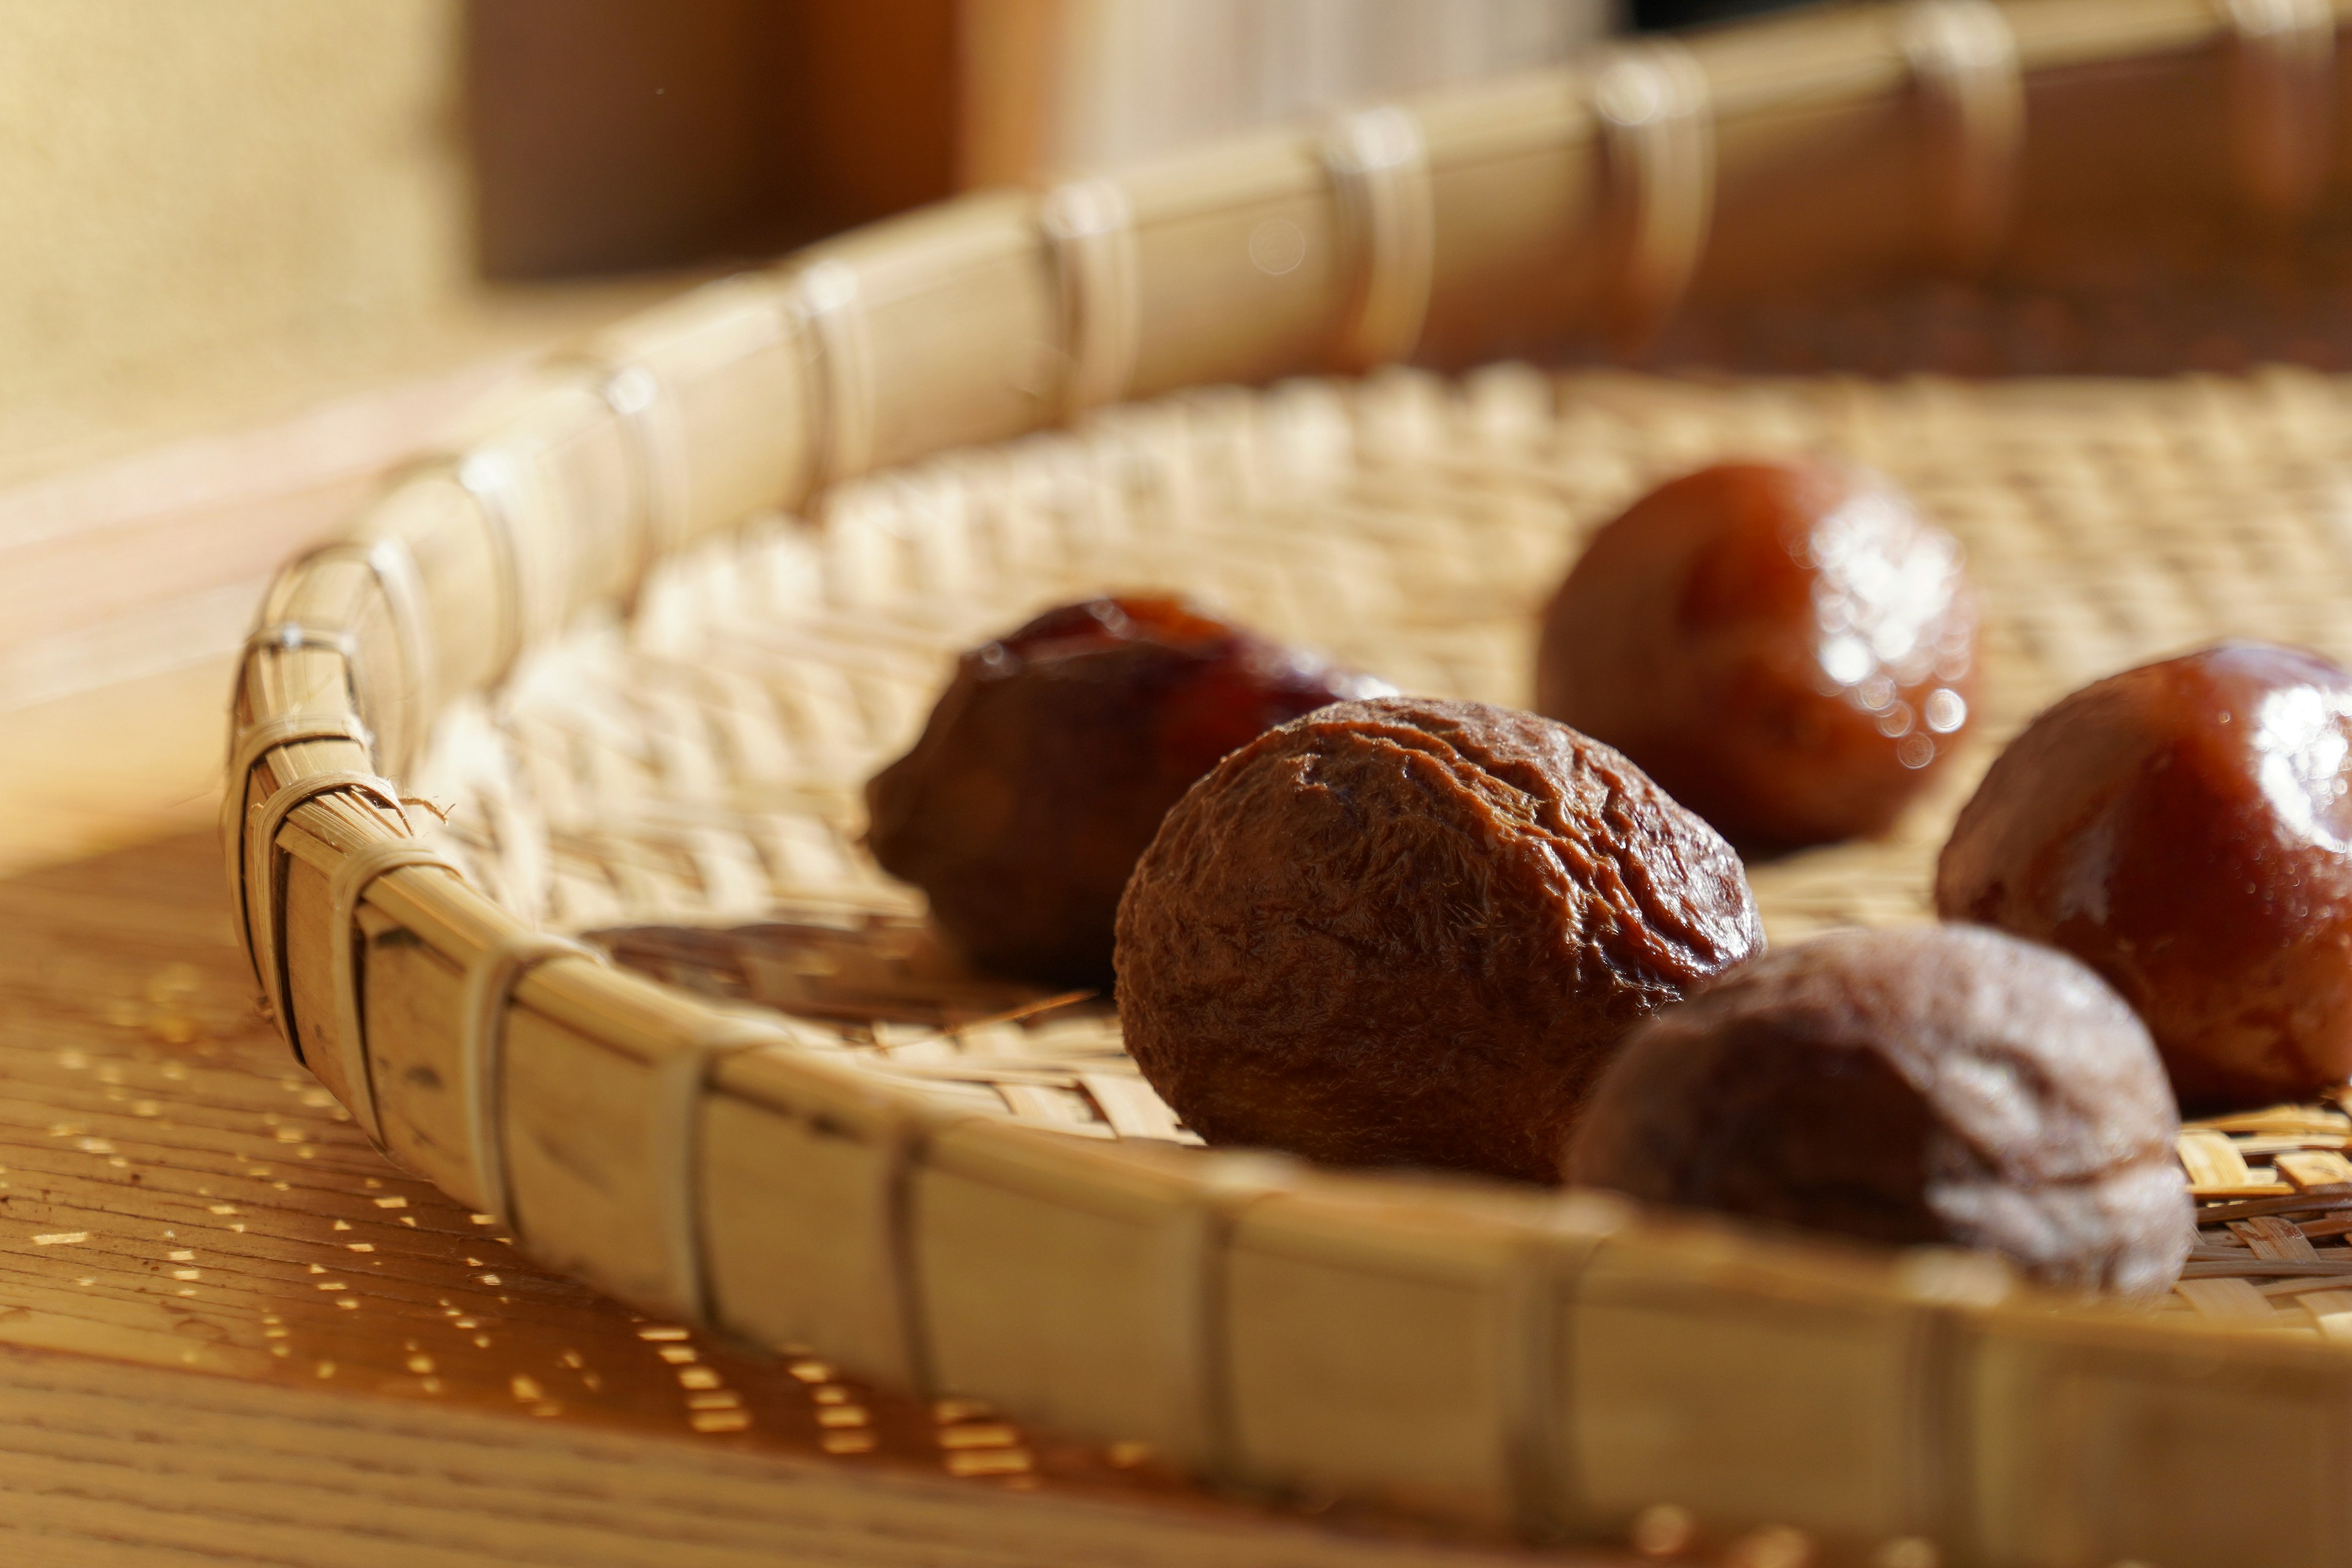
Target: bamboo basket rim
{"type": "Point", "coordinates": [355, 651]}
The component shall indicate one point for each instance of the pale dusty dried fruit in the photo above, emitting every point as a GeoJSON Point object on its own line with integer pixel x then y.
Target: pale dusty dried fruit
{"type": "Point", "coordinates": [1932, 1084]}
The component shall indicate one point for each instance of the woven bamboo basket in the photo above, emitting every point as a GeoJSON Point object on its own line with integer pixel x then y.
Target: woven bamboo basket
{"type": "Point", "coordinates": [543, 801]}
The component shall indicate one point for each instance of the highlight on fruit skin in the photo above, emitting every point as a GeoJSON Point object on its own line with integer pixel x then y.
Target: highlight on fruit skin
{"type": "Point", "coordinates": [1408, 931]}
{"type": "Point", "coordinates": [1049, 760]}
{"type": "Point", "coordinates": [1947, 1085]}
{"type": "Point", "coordinates": [2185, 828]}
{"type": "Point", "coordinates": [1787, 648]}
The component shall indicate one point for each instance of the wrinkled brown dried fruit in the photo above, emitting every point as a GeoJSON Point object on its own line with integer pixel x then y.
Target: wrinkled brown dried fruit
{"type": "Point", "coordinates": [1051, 758]}
{"type": "Point", "coordinates": [1948, 1085]}
{"type": "Point", "coordinates": [1410, 932]}
{"type": "Point", "coordinates": [1787, 648]}
{"type": "Point", "coordinates": [2185, 828]}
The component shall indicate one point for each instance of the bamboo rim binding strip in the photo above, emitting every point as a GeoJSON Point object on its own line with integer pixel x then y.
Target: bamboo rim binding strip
{"type": "Point", "coordinates": [360, 868]}
{"type": "Point", "coordinates": [490, 478]}
{"type": "Point", "coordinates": [489, 996]}
{"type": "Point", "coordinates": [262, 864]}
{"type": "Point", "coordinates": [391, 571]}
{"type": "Point", "coordinates": [1089, 232]}
{"type": "Point", "coordinates": [1963, 57]}
{"type": "Point", "coordinates": [827, 304]}
{"type": "Point", "coordinates": [1378, 167]}
{"type": "Point", "coordinates": [1658, 149]}
{"type": "Point", "coordinates": [661, 496]}
{"type": "Point", "coordinates": [255, 743]}
{"type": "Point", "coordinates": [2281, 66]}
{"type": "Point", "coordinates": [683, 1080]}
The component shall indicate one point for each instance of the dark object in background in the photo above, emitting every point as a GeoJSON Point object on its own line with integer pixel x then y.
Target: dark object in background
{"type": "Point", "coordinates": [1047, 765]}
{"type": "Point", "coordinates": [609, 134]}
{"type": "Point", "coordinates": [1412, 932]}
{"type": "Point", "coordinates": [2185, 828]}
{"type": "Point", "coordinates": [1939, 1084]}
{"type": "Point", "coordinates": [1652, 14]}
{"type": "Point", "coordinates": [1787, 648]}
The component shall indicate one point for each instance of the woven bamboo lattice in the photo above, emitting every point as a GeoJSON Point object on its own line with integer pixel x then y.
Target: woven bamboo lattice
{"type": "Point", "coordinates": [686, 788]}
{"type": "Point", "coordinates": [617, 712]}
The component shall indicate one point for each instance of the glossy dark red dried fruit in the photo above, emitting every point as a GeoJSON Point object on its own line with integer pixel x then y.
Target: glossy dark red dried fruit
{"type": "Point", "coordinates": [1937, 1084]}
{"type": "Point", "coordinates": [1049, 761]}
{"type": "Point", "coordinates": [1410, 932]}
{"type": "Point", "coordinates": [2185, 828]}
{"type": "Point", "coordinates": [1787, 648]}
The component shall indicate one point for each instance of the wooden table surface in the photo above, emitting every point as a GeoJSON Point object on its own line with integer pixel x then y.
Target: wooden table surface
{"type": "Point", "coordinates": [232, 1332]}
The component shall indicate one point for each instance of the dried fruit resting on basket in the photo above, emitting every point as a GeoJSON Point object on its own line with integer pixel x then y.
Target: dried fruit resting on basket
{"type": "Point", "coordinates": [1936, 1084]}
{"type": "Point", "coordinates": [1787, 648]}
{"type": "Point", "coordinates": [2186, 830]}
{"type": "Point", "coordinates": [1051, 756]}
{"type": "Point", "coordinates": [1410, 932]}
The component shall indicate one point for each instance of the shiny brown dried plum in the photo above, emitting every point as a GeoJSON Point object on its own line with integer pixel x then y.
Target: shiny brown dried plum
{"type": "Point", "coordinates": [1787, 648]}
{"type": "Point", "coordinates": [1410, 932]}
{"type": "Point", "coordinates": [1937, 1084]}
{"type": "Point", "coordinates": [1048, 762]}
{"type": "Point", "coordinates": [2185, 828]}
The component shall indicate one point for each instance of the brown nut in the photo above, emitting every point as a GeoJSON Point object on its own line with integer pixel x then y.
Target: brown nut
{"type": "Point", "coordinates": [2185, 828]}
{"type": "Point", "coordinates": [1051, 758]}
{"type": "Point", "coordinates": [1788, 648]}
{"type": "Point", "coordinates": [1939, 1084]}
{"type": "Point", "coordinates": [1410, 932]}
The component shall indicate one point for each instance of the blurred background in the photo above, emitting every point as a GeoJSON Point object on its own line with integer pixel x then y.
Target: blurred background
{"type": "Point", "coordinates": [211, 204]}
{"type": "Point", "coordinates": [207, 201]}
{"type": "Point", "coordinates": [256, 249]}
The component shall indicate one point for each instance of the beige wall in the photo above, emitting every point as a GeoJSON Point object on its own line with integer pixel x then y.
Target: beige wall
{"type": "Point", "coordinates": [193, 189]}
{"type": "Point", "coordinates": [1138, 78]}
